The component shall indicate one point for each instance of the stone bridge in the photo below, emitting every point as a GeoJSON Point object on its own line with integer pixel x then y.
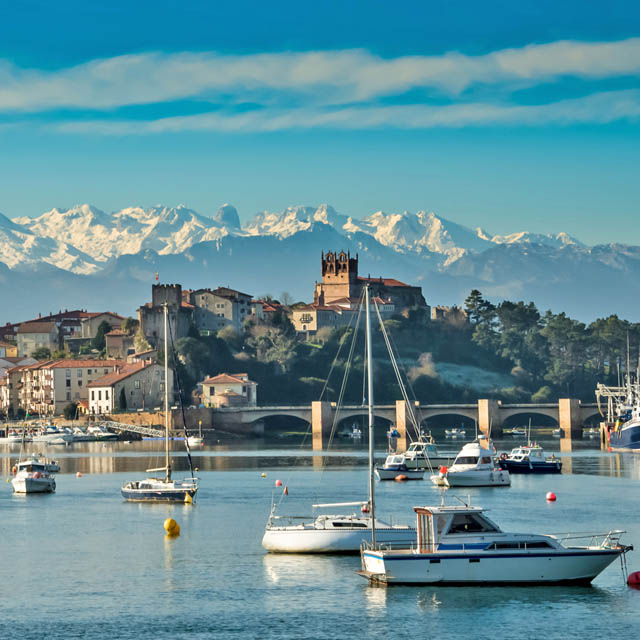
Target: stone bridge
{"type": "Point", "coordinates": [569, 413]}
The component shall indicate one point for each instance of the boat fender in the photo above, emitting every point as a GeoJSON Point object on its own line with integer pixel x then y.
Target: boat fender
{"type": "Point", "coordinates": [14, 469]}
{"type": "Point", "coordinates": [401, 478]}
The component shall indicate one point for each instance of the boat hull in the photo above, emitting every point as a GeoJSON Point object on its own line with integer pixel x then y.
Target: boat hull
{"type": "Point", "coordinates": [481, 478]}
{"type": "Point", "coordinates": [309, 540]}
{"type": "Point", "coordinates": [627, 438]}
{"type": "Point", "coordinates": [570, 566]}
{"type": "Point", "coordinates": [33, 485]}
{"type": "Point", "coordinates": [392, 474]}
{"type": "Point", "coordinates": [164, 495]}
{"type": "Point", "coordinates": [515, 466]}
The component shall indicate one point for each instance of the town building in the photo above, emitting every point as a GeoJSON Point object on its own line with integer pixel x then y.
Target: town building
{"type": "Point", "coordinates": [229, 390]}
{"type": "Point", "coordinates": [219, 308]}
{"type": "Point", "coordinates": [8, 349]}
{"type": "Point", "coordinates": [36, 335]}
{"type": "Point", "coordinates": [151, 315]}
{"type": "Point", "coordinates": [119, 344]}
{"type": "Point", "coordinates": [130, 387]}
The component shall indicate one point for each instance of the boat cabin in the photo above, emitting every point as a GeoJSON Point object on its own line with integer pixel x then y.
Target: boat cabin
{"type": "Point", "coordinates": [475, 454]}
{"type": "Point", "coordinates": [433, 523]}
{"type": "Point", "coordinates": [533, 453]}
{"type": "Point", "coordinates": [424, 447]}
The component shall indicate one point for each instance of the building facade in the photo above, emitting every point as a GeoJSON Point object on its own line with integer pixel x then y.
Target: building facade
{"type": "Point", "coordinates": [227, 390]}
{"type": "Point", "coordinates": [219, 308]}
{"type": "Point", "coordinates": [36, 335]}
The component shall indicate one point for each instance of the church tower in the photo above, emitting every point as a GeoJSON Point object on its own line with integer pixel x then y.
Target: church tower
{"type": "Point", "coordinates": [339, 277]}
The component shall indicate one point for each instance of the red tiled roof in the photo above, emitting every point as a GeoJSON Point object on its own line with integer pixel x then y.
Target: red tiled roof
{"type": "Point", "coordinates": [70, 364]}
{"type": "Point", "coordinates": [122, 372]}
{"type": "Point", "coordinates": [117, 332]}
{"type": "Point", "coordinates": [225, 378]}
{"type": "Point", "coordinates": [94, 314]}
{"type": "Point", "coordinates": [387, 282]}
{"type": "Point", "coordinates": [36, 327]}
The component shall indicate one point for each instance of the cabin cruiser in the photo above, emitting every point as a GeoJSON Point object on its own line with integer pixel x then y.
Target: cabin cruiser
{"type": "Point", "coordinates": [461, 545]}
{"type": "Point", "coordinates": [423, 454]}
{"type": "Point", "coordinates": [32, 476]}
{"type": "Point", "coordinates": [473, 467]}
{"type": "Point", "coordinates": [330, 533]}
{"type": "Point", "coordinates": [101, 433]}
{"type": "Point", "coordinates": [52, 435]}
{"type": "Point", "coordinates": [396, 466]}
{"type": "Point", "coordinates": [529, 459]}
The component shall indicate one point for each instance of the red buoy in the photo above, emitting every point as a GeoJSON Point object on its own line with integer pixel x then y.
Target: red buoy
{"type": "Point", "coordinates": [364, 508]}
{"type": "Point", "coordinates": [634, 580]}
{"type": "Point", "coordinates": [443, 470]}
{"type": "Point", "coordinates": [551, 497]}
{"type": "Point", "coordinates": [401, 478]}
{"type": "Point", "coordinates": [278, 483]}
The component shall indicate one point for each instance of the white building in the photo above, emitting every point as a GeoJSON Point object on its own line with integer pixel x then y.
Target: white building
{"type": "Point", "coordinates": [220, 308]}
{"type": "Point", "coordinates": [226, 390]}
{"type": "Point", "coordinates": [35, 335]}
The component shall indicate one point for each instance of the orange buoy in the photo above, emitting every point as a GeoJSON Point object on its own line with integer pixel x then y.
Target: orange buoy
{"type": "Point", "coordinates": [443, 470]}
{"type": "Point", "coordinates": [551, 497]}
{"type": "Point", "coordinates": [401, 478]}
{"type": "Point", "coordinates": [633, 580]}
{"type": "Point", "coordinates": [278, 483]}
{"type": "Point", "coordinates": [79, 475]}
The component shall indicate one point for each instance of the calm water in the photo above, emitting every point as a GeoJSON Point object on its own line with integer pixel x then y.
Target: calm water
{"type": "Point", "coordinates": [84, 564]}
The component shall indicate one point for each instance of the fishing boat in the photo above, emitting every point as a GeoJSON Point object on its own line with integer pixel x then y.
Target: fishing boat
{"type": "Point", "coordinates": [529, 459]}
{"type": "Point", "coordinates": [623, 413]}
{"type": "Point", "coordinates": [473, 467]}
{"type": "Point", "coordinates": [337, 533]}
{"type": "Point", "coordinates": [461, 545]}
{"type": "Point", "coordinates": [455, 433]}
{"type": "Point", "coordinates": [395, 466]}
{"type": "Point", "coordinates": [164, 489]}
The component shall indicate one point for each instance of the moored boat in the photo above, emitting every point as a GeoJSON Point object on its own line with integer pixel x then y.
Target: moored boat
{"type": "Point", "coordinates": [460, 545]}
{"type": "Point", "coordinates": [529, 459]}
{"type": "Point", "coordinates": [394, 466]}
{"type": "Point", "coordinates": [455, 433]}
{"type": "Point", "coordinates": [32, 476]}
{"type": "Point", "coordinates": [473, 467]}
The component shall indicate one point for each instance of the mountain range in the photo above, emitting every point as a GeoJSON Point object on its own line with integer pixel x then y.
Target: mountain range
{"type": "Point", "coordinates": [83, 257]}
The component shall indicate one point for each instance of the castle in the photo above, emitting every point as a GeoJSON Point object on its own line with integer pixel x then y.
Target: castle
{"type": "Point", "coordinates": [340, 280]}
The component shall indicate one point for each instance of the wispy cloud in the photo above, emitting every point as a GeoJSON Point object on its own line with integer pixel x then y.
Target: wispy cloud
{"type": "Point", "coordinates": [598, 108]}
{"type": "Point", "coordinates": [325, 77]}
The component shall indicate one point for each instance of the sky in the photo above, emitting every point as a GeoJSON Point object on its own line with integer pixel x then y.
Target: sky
{"type": "Point", "coordinates": [507, 115]}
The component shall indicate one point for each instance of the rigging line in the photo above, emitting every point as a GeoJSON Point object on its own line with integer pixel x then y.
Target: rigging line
{"type": "Point", "coordinates": [176, 383]}
{"type": "Point", "coordinates": [397, 373]}
{"type": "Point", "coordinates": [355, 317]}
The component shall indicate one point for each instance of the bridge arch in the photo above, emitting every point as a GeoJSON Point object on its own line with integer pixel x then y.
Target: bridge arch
{"type": "Point", "coordinates": [521, 419]}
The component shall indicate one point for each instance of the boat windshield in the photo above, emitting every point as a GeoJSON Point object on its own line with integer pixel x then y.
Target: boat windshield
{"type": "Point", "coordinates": [470, 523]}
{"type": "Point", "coordinates": [466, 460]}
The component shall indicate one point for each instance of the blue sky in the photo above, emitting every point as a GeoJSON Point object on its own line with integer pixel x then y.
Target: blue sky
{"type": "Point", "coordinates": [505, 115]}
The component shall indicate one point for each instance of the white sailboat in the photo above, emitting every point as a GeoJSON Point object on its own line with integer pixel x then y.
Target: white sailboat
{"type": "Point", "coordinates": [338, 533]}
{"type": "Point", "coordinates": [33, 475]}
{"type": "Point", "coordinates": [163, 489]}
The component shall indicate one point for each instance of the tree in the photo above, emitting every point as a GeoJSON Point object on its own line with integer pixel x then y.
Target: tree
{"type": "Point", "coordinates": [99, 341]}
{"type": "Point", "coordinates": [70, 411]}
{"type": "Point", "coordinates": [123, 400]}
{"type": "Point", "coordinates": [41, 353]}
{"type": "Point", "coordinates": [130, 325]}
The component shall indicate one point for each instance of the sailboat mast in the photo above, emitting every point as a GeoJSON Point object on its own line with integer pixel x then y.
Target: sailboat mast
{"type": "Point", "coordinates": [166, 396]}
{"type": "Point", "coordinates": [370, 411]}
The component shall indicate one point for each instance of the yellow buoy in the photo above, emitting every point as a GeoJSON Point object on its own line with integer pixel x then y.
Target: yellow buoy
{"type": "Point", "coordinates": [188, 499]}
{"type": "Point", "coordinates": [263, 475]}
{"type": "Point", "coordinates": [171, 527]}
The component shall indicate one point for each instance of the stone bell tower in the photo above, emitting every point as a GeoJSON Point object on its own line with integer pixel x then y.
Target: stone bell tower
{"type": "Point", "coordinates": [339, 278]}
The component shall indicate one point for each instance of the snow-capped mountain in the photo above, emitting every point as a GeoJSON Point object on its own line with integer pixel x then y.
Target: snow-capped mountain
{"type": "Point", "coordinates": [65, 256]}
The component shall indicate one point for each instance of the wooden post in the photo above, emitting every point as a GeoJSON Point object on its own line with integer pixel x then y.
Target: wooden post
{"type": "Point", "coordinates": [321, 422]}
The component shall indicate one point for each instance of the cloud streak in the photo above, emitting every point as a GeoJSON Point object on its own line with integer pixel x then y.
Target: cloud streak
{"type": "Point", "coordinates": [321, 77]}
{"type": "Point", "coordinates": [600, 108]}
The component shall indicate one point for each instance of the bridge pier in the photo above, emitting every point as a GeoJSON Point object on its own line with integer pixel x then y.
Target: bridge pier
{"type": "Point", "coordinates": [569, 421]}
{"type": "Point", "coordinates": [321, 422]}
{"type": "Point", "coordinates": [489, 418]}
{"type": "Point", "coordinates": [401, 424]}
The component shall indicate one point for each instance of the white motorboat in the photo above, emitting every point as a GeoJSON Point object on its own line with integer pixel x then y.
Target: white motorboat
{"type": "Point", "coordinates": [460, 545]}
{"type": "Point", "coordinates": [423, 454]}
{"type": "Point", "coordinates": [455, 433]}
{"type": "Point", "coordinates": [195, 441]}
{"type": "Point", "coordinates": [52, 435]}
{"type": "Point", "coordinates": [15, 437]}
{"type": "Point", "coordinates": [101, 433]}
{"type": "Point", "coordinates": [518, 432]}
{"type": "Point", "coordinates": [473, 467]}
{"type": "Point", "coordinates": [557, 433]}
{"type": "Point", "coordinates": [529, 459]}
{"type": "Point", "coordinates": [337, 533]}
{"type": "Point", "coordinates": [395, 466]}
{"type": "Point", "coordinates": [32, 476]}
{"type": "Point", "coordinates": [50, 466]}
{"type": "Point", "coordinates": [164, 489]}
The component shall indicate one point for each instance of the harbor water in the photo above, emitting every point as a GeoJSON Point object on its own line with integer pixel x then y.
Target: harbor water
{"type": "Point", "coordinates": [83, 563]}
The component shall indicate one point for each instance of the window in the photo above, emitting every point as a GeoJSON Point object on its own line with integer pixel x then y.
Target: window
{"type": "Point", "coordinates": [106, 371]}
{"type": "Point", "coordinates": [469, 523]}
{"type": "Point", "coordinates": [68, 372]}
{"type": "Point", "coordinates": [106, 394]}
{"type": "Point", "coordinates": [485, 460]}
{"type": "Point", "coordinates": [68, 383]}
{"type": "Point", "coordinates": [93, 394]}
{"type": "Point", "coordinates": [79, 383]}
{"type": "Point", "coordinates": [68, 395]}
{"type": "Point", "coordinates": [88, 372]}
{"type": "Point", "coordinates": [79, 373]}
{"type": "Point", "coordinates": [466, 460]}
{"type": "Point", "coordinates": [136, 384]}
{"type": "Point", "coordinates": [99, 394]}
